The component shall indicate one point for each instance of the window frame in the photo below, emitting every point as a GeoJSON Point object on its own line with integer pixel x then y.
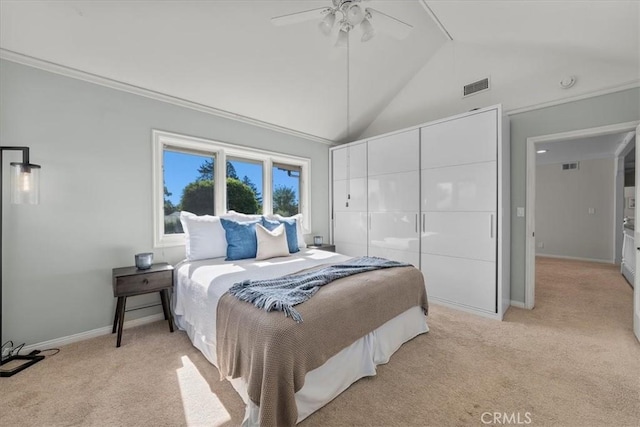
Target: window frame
{"type": "Point", "coordinates": [221, 150]}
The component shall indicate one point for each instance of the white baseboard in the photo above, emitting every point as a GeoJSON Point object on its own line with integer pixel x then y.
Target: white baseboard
{"type": "Point", "coordinates": [518, 304]}
{"type": "Point", "coordinates": [573, 258]}
{"type": "Point", "coordinates": [105, 330]}
{"type": "Point", "coordinates": [465, 308]}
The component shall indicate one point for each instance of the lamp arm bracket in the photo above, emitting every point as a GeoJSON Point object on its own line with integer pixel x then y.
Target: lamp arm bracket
{"type": "Point", "coordinates": [25, 152]}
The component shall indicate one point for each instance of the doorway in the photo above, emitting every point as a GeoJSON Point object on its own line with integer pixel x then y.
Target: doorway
{"type": "Point", "coordinates": [548, 142]}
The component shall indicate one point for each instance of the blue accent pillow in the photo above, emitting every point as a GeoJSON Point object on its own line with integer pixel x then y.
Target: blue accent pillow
{"type": "Point", "coordinates": [289, 228]}
{"type": "Point", "coordinates": [241, 239]}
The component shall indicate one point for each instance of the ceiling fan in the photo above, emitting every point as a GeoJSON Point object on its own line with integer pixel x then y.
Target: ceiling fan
{"type": "Point", "coordinates": [346, 15]}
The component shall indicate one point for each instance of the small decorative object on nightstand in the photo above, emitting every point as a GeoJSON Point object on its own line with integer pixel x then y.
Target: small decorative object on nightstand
{"type": "Point", "coordinates": [130, 281]}
{"type": "Point", "coordinates": [144, 261]}
{"type": "Point", "coordinates": [323, 247]}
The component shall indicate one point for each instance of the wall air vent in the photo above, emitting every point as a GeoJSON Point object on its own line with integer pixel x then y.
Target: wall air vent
{"type": "Point", "coordinates": [570, 166]}
{"type": "Point", "coordinates": [475, 87]}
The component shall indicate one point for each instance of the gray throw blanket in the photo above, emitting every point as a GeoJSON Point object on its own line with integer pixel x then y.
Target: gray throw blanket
{"type": "Point", "coordinates": [282, 293]}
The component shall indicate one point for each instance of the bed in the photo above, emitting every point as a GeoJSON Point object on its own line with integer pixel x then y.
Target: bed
{"type": "Point", "coordinates": [200, 286]}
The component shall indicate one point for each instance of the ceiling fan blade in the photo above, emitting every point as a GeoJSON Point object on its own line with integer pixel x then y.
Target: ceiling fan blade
{"type": "Point", "coordinates": [294, 18]}
{"type": "Point", "coordinates": [388, 24]}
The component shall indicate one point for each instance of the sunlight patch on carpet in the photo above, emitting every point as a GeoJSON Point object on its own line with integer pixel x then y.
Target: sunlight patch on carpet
{"type": "Point", "coordinates": [201, 405]}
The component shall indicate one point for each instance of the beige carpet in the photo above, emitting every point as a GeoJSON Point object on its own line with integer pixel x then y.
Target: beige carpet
{"type": "Point", "coordinates": [572, 361]}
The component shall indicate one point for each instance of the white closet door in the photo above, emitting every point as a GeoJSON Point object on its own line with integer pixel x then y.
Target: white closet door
{"type": "Point", "coordinates": [358, 161]}
{"type": "Point", "coordinates": [350, 195]}
{"type": "Point", "coordinates": [460, 188]}
{"type": "Point", "coordinates": [394, 192]}
{"type": "Point", "coordinates": [350, 199]}
{"type": "Point", "coordinates": [412, 258]}
{"type": "Point", "coordinates": [393, 197]}
{"type": "Point", "coordinates": [339, 164]}
{"type": "Point", "coordinates": [460, 234]}
{"type": "Point", "coordinates": [468, 139]}
{"type": "Point", "coordinates": [350, 231]}
{"type": "Point", "coordinates": [340, 195]}
{"type": "Point", "coordinates": [394, 153]}
{"type": "Point", "coordinates": [461, 281]}
{"type": "Point", "coordinates": [394, 230]}
{"type": "Point", "coordinates": [357, 198]}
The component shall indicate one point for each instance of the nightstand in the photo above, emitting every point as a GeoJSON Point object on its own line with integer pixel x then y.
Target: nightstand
{"type": "Point", "coordinates": [129, 281]}
{"type": "Point", "coordinates": [323, 247]}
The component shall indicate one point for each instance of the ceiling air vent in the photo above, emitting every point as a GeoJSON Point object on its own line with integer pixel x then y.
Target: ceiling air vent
{"type": "Point", "coordinates": [475, 87]}
{"type": "Point", "coordinates": [570, 166]}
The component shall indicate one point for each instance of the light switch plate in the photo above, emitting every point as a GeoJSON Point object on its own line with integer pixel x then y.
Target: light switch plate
{"type": "Point", "coordinates": [520, 211]}
{"type": "Point", "coordinates": [592, 211]}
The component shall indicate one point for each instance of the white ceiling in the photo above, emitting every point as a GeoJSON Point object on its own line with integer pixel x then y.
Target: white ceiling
{"type": "Point", "coordinates": [575, 150]}
{"type": "Point", "coordinates": [227, 55]}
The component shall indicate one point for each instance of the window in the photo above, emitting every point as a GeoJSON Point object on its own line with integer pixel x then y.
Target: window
{"type": "Point", "coordinates": [188, 185]}
{"type": "Point", "coordinates": [188, 176]}
{"type": "Point", "coordinates": [244, 186]}
{"type": "Point", "coordinates": [286, 189]}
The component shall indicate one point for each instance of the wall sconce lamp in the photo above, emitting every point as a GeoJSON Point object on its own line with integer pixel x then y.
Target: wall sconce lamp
{"type": "Point", "coordinates": [25, 189]}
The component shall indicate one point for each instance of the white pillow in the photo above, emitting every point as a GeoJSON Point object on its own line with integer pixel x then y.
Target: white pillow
{"type": "Point", "coordinates": [240, 217]}
{"type": "Point", "coordinates": [298, 218]}
{"type": "Point", "coordinates": [272, 243]}
{"type": "Point", "coordinates": [204, 236]}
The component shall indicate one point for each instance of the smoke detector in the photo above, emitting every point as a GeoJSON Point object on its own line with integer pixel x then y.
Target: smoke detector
{"type": "Point", "coordinates": [567, 82]}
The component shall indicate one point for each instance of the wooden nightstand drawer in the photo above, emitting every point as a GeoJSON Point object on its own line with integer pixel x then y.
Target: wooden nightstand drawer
{"type": "Point", "coordinates": [142, 283]}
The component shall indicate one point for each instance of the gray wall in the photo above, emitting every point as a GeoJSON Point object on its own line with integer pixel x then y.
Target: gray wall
{"type": "Point", "coordinates": [94, 145]}
{"type": "Point", "coordinates": [618, 107]}
{"type": "Point", "coordinates": [564, 225]}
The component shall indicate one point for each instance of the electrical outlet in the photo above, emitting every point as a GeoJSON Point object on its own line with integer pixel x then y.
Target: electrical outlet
{"type": "Point", "coordinates": [541, 244]}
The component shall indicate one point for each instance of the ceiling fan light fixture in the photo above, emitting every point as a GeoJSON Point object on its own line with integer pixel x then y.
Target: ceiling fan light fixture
{"type": "Point", "coordinates": [355, 14]}
{"type": "Point", "coordinates": [326, 25]}
{"type": "Point", "coordinates": [343, 36]}
{"type": "Point", "coordinates": [367, 30]}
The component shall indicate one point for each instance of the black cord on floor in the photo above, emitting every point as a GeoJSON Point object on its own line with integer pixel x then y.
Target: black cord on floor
{"type": "Point", "coordinates": [16, 350]}
{"type": "Point", "coordinates": [8, 343]}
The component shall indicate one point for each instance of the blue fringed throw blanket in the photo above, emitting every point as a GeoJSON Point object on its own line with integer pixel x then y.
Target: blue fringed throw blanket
{"type": "Point", "coordinates": [282, 293]}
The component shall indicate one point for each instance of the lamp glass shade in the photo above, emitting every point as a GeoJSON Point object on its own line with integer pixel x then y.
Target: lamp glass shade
{"type": "Point", "coordinates": [355, 14]}
{"type": "Point", "coordinates": [343, 38]}
{"type": "Point", "coordinates": [25, 183]}
{"type": "Point", "coordinates": [326, 25]}
{"type": "Point", "coordinates": [367, 30]}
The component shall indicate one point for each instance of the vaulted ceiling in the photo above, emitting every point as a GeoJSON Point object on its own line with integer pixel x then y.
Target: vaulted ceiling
{"type": "Point", "coordinates": [227, 55]}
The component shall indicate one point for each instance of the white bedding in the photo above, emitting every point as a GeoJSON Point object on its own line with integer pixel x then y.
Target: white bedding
{"type": "Point", "coordinates": [200, 284]}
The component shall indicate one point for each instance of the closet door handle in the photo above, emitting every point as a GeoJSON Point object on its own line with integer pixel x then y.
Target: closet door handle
{"type": "Point", "coordinates": [424, 230]}
{"type": "Point", "coordinates": [491, 226]}
{"type": "Point", "coordinates": [416, 223]}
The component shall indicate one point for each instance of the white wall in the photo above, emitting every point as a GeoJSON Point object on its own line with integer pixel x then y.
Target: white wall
{"type": "Point", "coordinates": [519, 77]}
{"type": "Point", "coordinates": [564, 225]}
{"type": "Point", "coordinates": [94, 145]}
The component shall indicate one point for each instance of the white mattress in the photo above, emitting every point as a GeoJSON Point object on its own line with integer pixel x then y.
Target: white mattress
{"type": "Point", "coordinates": [200, 284]}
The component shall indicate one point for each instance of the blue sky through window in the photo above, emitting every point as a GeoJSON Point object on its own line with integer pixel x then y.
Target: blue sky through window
{"type": "Point", "coordinates": [180, 169]}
